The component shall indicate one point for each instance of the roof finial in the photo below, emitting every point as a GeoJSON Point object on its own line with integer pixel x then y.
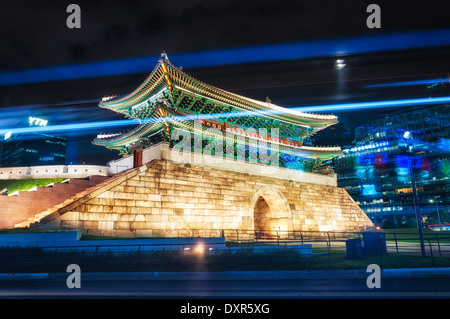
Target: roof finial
{"type": "Point", "coordinates": [164, 55]}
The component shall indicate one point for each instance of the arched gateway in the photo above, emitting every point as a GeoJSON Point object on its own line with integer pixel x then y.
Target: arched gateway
{"type": "Point", "coordinates": [271, 212]}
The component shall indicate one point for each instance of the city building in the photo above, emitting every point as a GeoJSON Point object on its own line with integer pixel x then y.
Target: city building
{"type": "Point", "coordinates": [375, 169]}
{"type": "Point", "coordinates": [33, 148]}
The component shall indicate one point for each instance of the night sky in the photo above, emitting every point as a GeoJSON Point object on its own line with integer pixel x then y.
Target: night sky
{"type": "Point", "coordinates": [33, 34]}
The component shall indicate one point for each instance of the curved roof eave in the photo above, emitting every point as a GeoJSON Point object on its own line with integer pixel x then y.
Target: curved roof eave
{"type": "Point", "coordinates": [165, 73]}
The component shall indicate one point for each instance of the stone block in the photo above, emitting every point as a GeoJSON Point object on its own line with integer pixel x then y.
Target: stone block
{"type": "Point", "coordinates": [144, 233]}
{"type": "Point", "coordinates": [122, 225]}
{"type": "Point", "coordinates": [108, 209]}
{"type": "Point", "coordinates": [70, 216]}
{"type": "Point", "coordinates": [122, 195]}
{"type": "Point", "coordinates": [140, 218]}
{"type": "Point", "coordinates": [135, 183]}
{"type": "Point", "coordinates": [145, 210]}
{"type": "Point", "coordinates": [125, 233]}
{"type": "Point", "coordinates": [53, 225]}
{"type": "Point", "coordinates": [105, 225]}
{"type": "Point", "coordinates": [118, 188]}
{"type": "Point", "coordinates": [103, 201]}
{"type": "Point", "coordinates": [159, 233]}
{"type": "Point", "coordinates": [107, 194]}
{"type": "Point", "coordinates": [154, 197]}
{"type": "Point", "coordinates": [131, 189]}
{"type": "Point", "coordinates": [120, 209]}
{"type": "Point", "coordinates": [123, 202]}
{"type": "Point", "coordinates": [94, 208]}
{"type": "Point", "coordinates": [192, 200]}
{"type": "Point", "coordinates": [139, 197]}
{"type": "Point", "coordinates": [167, 198]}
{"type": "Point", "coordinates": [144, 203]}
{"type": "Point", "coordinates": [69, 224]}
{"type": "Point", "coordinates": [89, 224]}
{"type": "Point", "coordinates": [90, 216]}
{"type": "Point", "coordinates": [110, 216]}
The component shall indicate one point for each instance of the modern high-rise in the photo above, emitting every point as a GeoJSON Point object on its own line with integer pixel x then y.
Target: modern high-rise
{"type": "Point", "coordinates": [33, 148]}
{"type": "Point", "coordinates": [375, 169]}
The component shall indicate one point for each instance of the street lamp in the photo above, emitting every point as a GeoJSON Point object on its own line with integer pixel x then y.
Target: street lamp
{"type": "Point", "coordinates": [437, 207]}
{"type": "Point", "coordinates": [407, 137]}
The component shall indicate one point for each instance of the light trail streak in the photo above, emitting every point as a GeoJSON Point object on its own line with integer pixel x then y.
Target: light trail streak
{"type": "Point", "coordinates": [408, 83]}
{"type": "Point", "coordinates": [318, 108]}
{"type": "Point", "coordinates": [236, 56]}
{"type": "Point", "coordinates": [374, 104]}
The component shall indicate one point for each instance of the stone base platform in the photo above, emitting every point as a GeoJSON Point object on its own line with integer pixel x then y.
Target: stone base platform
{"type": "Point", "coordinates": [164, 198]}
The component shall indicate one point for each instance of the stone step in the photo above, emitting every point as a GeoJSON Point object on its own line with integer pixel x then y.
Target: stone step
{"type": "Point", "coordinates": [83, 182]}
{"type": "Point", "coordinates": [44, 189]}
{"type": "Point", "coordinates": [97, 178]}
{"type": "Point", "coordinates": [45, 200]}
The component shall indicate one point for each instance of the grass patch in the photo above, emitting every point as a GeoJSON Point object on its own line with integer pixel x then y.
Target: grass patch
{"type": "Point", "coordinates": [388, 261]}
{"type": "Point", "coordinates": [405, 231]}
{"type": "Point", "coordinates": [14, 185]}
{"type": "Point", "coordinates": [26, 230]}
{"type": "Point", "coordinates": [412, 235]}
{"type": "Point", "coordinates": [98, 237]}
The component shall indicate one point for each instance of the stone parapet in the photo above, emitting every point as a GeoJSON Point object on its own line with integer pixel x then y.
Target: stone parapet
{"type": "Point", "coordinates": [53, 171]}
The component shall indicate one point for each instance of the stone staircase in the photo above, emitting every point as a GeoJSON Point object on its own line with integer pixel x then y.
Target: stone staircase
{"type": "Point", "coordinates": [14, 210]}
{"type": "Point", "coordinates": [44, 216]}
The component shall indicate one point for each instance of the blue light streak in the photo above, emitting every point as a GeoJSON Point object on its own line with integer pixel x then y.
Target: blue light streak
{"type": "Point", "coordinates": [317, 108]}
{"type": "Point", "coordinates": [69, 127]}
{"type": "Point", "coordinates": [408, 83]}
{"type": "Point", "coordinates": [235, 56]}
{"type": "Point", "coordinates": [373, 105]}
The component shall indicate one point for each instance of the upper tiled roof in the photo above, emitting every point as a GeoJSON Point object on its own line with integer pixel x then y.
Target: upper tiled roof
{"type": "Point", "coordinates": [165, 76]}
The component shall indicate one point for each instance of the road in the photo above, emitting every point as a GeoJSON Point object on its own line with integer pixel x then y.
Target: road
{"type": "Point", "coordinates": [391, 287]}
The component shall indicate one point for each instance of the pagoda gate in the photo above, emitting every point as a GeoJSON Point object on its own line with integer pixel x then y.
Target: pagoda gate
{"type": "Point", "coordinates": [170, 100]}
{"type": "Point", "coordinates": [206, 162]}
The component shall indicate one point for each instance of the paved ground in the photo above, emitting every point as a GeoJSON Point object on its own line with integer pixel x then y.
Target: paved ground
{"type": "Point", "coordinates": [419, 285]}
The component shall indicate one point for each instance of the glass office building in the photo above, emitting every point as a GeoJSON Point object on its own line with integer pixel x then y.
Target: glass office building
{"type": "Point", "coordinates": [33, 148]}
{"type": "Point", "coordinates": [375, 169]}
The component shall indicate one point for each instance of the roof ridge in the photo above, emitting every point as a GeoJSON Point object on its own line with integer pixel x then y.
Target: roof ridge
{"type": "Point", "coordinates": [256, 104]}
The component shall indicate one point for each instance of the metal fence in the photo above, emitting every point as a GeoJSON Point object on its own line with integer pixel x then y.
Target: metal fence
{"type": "Point", "coordinates": [436, 244]}
{"type": "Point", "coordinates": [244, 250]}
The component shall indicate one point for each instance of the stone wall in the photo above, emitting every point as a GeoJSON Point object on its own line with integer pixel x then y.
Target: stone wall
{"type": "Point", "coordinates": [244, 167]}
{"type": "Point", "coordinates": [168, 199]}
{"type": "Point", "coordinates": [53, 171]}
{"type": "Point", "coordinates": [148, 154]}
